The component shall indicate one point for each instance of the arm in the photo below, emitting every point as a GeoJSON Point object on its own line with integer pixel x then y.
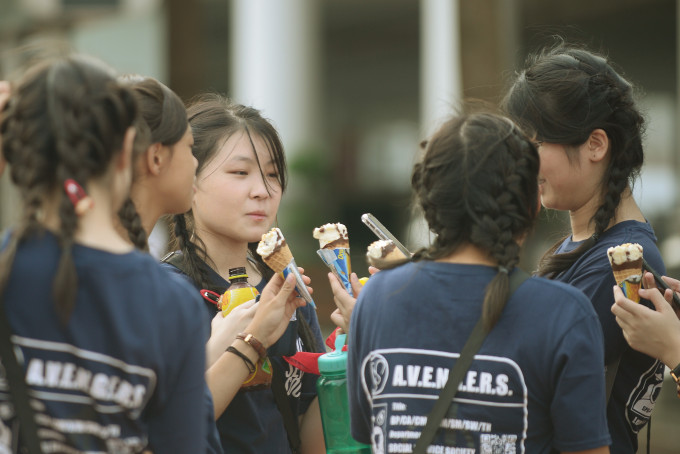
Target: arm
{"type": "Point", "coordinates": [274, 310]}
{"type": "Point", "coordinates": [311, 430]}
{"type": "Point", "coordinates": [655, 333]}
{"type": "Point", "coordinates": [223, 329]}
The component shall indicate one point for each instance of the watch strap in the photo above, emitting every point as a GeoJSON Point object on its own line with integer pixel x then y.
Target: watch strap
{"type": "Point", "coordinates": [253, 342]}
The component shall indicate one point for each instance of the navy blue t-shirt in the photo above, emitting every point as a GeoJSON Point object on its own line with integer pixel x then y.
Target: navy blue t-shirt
{"type": "Point", "coordinates": [126, 372]}
{"type": "Point", "coordinates": [639, 377]}
{"type": "Point", "coordinates": [252, 422]}
{"type": "Point", "coordinates": [536, 384]}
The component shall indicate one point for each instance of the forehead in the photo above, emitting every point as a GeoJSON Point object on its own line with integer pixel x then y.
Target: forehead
{"type": "Point", "coordinates": [242, 146]}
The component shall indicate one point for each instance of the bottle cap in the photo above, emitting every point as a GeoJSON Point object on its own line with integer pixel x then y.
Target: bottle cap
{"type": "Point", "coordinates": [238, 272]}
{"type": "Point", "coordinates": [335, 361]}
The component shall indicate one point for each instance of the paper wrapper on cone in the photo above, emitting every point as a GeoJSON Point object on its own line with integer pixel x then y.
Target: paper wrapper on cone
{"type": "Point", "coordinates": [276, 254]}
{"type": "Point", "coordinates": [626, 263]}
{"type": "Point", "coordinates": [338, 260]}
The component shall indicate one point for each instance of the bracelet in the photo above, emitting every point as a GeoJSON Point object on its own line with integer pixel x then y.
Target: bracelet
{"type": "Point", "coordinates": [246, 360]}
{"type": "Point", "coordinates": [253, 342]}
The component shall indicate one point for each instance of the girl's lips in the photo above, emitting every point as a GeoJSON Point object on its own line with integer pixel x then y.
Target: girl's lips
{"type": "Point", "coordinates": [257, 215]}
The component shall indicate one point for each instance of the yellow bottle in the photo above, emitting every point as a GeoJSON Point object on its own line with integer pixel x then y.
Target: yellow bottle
{"type": "Point", "coordinates": [239, 292]}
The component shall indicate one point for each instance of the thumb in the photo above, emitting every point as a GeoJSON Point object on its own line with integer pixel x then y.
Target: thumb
{"type": "Point", "coordinates": [287, 288]}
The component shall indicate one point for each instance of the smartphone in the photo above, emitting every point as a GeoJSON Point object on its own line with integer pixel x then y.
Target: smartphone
{"type": "Point", "coordinates": [661, 284]}
{"type": "Point", "coordinates": [382, 232]}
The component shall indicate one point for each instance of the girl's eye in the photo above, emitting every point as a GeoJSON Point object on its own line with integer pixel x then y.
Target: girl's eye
{"type": "Point", "coordinates": [238, 172]}
{"type": "Point", "coordinates": [273, 175]}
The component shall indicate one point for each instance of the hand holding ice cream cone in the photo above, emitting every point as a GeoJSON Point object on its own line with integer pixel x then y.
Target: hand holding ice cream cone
{"type": "Point", "coordinates": [275, 252]}
{"type": "Point", "coordinates": [626, 263]}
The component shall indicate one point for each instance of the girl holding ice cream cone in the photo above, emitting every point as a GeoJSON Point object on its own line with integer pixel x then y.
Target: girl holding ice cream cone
{"type": "Point", "coordinates": [240, 178]}
{"type": "Point", "coordinates": [588, 130]}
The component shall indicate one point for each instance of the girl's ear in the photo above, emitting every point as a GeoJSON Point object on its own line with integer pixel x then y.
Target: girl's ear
{"type": "Point", "coordinates": [154, 158]}
{"type": "Point", "coordinates": [597, 145]}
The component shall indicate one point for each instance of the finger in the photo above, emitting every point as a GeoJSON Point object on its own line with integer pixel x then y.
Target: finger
{"type": "Point", "coordinates": [338, 319]}
{"type": "Point", "coordinates": [648, 280]}
{"type": "Point", "coordinates": [622, 302]}
{"type": "Point", "coordinates": [672, 283]}
{"type": "Point", "coordinates": [656, 298]}
{"type": "Point", "coordinates": [356, 285]}
{"type": "Point", "coordinates": [372, 270]}
{"type": "Point", "coordinates": [301, 270]}
{"type": "Point", "coordinates": [273, 287]}
{"type": "Point", "coordinates": [306, 279]}
{"type": "Point", "coordinates": [333, 281]}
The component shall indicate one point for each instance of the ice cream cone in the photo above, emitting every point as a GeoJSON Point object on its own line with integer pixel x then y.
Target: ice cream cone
{"type": "Point", "coordinates": [332, 236]}
{"type": "Point", "coordinates": [383, 252]}
{"type": "Point", "coordinates": [626, 263]}
{"type": "Point", "coordinates": [279, 260]}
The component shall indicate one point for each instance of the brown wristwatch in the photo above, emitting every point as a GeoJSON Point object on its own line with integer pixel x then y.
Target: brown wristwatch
{"type": "Point", "coordinates": [253, 342]}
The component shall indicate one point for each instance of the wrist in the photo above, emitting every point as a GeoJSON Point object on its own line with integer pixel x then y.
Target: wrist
{"type": "Point", "coordinates": [254, 343]}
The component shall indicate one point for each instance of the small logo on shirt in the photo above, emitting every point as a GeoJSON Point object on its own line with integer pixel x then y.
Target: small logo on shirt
{"type": "Point", "coordinates": [380, 372]}
{"type": "Point", "coordinates": [643, 397]}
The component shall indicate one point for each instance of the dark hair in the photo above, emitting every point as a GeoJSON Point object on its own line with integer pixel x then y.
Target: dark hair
{"type": "Point", "coordinates": [163, 119]}
{"type": "Point", "coordinates": [477, 184]}
{"type": "Point", "coordinates": [66, 119]}
{"type": "Point", "coordinates": [214, 119]}
{"type": "Point", "coordinates": [563, 95]}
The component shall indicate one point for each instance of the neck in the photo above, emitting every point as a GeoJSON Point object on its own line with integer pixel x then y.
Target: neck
{"type": "Point", "coordinates": [149, 210]}
{"type": "Point", "coordinates": [581, 226]}
{"type": "Point", "coordinates": [470, 255]}
{"type": "Point", "coordinates": [225, 253]}
{"type": "Point", "coordinates": [97, 226]}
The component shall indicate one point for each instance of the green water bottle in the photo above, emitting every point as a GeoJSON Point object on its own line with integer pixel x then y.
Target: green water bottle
{"type": "Point", "coordinates": [333, 402]}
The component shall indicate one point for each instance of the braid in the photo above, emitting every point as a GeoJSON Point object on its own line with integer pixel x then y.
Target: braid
{"type": "Point", "coordinates": [193, 252]}
{"type": "Point", "coordinates": [130, 219]}
{"type": "Point", "coordinates": [67, 119]}
{"type": "Point", "coordinates": [562, 97]}
{"type": "Point", "coordinates": [477, 185]}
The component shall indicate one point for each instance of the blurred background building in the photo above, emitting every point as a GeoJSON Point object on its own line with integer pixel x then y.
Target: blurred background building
{"type": "Point", "coordinates": [353, 86]}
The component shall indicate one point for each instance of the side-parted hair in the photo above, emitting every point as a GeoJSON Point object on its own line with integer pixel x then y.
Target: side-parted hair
{"type": "Point", "coordinates": [477, 184]}
{"type": "Point", "coordinates": [66, 119]}
{"type": "Point", "coordinates": [562, 96]}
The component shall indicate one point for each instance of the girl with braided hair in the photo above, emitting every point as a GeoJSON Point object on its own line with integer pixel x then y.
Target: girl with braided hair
{"type": "Point", "coordinates": [164, 167]}
{"type": "Point", "coordinates": [524, 391]}
{"type": "Point", "coordinates": [164, 170]}
{"type": "Point", "coordinates": [583, 116]}
{"type": "Point", "coordinates": [110, 345]}
{"type": "Point", "coordinates": [240, 179]}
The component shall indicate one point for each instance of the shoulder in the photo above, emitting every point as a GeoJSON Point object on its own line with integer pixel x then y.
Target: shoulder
{"type": "Point", "coordinates": [552, 295]}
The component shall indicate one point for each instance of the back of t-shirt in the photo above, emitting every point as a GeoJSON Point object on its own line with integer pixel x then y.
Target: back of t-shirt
{"type": "Point", "coordinates": [127, 369]}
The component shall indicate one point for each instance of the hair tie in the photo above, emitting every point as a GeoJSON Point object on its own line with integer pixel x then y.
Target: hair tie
{"type": "Point", "coordinates": [79, 198]}
{"type": "Point", "coordinates": [596, 237]}
{"type": "Point", "coordinates": [502, 269]}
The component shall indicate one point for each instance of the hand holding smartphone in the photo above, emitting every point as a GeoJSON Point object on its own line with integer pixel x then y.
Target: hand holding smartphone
{"type": "Point", "coordinates": [661, 285]}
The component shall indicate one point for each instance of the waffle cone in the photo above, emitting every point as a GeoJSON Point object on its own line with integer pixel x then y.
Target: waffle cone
{"type": "Point", "coordinates": [623, 274]}
{"type": "Point", "coordinates": [279, 260]}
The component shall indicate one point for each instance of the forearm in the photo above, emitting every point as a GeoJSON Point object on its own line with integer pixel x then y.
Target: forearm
{"type": "Point", "coordinates": [311, 430]}
{"type": "Point", "coordinates": [226, 375]}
